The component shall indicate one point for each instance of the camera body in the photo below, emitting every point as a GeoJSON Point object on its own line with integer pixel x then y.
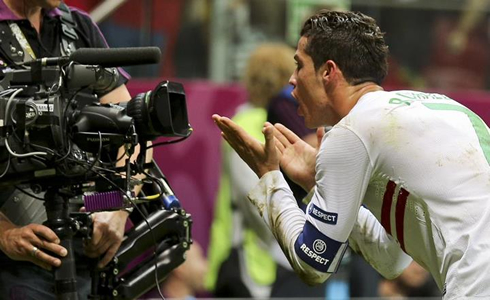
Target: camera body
{"type": "Point", "coordinates": [50, 126]}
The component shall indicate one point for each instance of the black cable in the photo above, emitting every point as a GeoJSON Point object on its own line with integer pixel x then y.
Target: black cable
{"type": "Point", "coordinates": [46, 149]}
{"type": "Point", "coordinates": [157, 181]}
{"type": "Point", "coordinates": [64, 156]}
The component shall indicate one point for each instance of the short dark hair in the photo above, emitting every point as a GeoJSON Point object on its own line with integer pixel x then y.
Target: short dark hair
{"type": "Point", "coordinates": [352, 40]}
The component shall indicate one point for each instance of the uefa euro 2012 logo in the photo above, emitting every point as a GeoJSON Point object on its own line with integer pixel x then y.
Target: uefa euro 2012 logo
{"type": "Point", "coordinates": [319, 246]}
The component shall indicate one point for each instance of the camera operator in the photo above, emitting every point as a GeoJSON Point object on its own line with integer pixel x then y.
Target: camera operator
{"type": "Point", "coordinates": [28, 243]}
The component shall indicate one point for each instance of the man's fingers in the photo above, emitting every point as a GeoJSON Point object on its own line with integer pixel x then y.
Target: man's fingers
{"type": "Point", "coordinates": [103, 246]}
{"type": "Point", "coordinates": [45, 233]}
{"type": "Point", "coordinates": [55, 248]}
{"type": "Point", "coordinates": [108, 256]}
{"type": "Point", "coordinates": [269, 137]}
{"type": "Point", "coordinates": [41, 258]}
{"type": "Point", "coordinates": [95, 250]}
{"type": "Point", "coordinates": [279, 146]}
{"type": "Point", "coordinates": [290, 136]}
{"type": "Point", "coordinates": [216, 117]}
{"type": "Point", "coordinates": [231, 131]}
{"type": "Point", "coordinates": [229, 127]}
{"type": "Point", "coordinates": [281, 138]}
{"type": "Point", "coordinates": [96, 236]}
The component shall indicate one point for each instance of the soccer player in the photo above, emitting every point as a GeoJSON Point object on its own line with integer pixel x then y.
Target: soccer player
{"type": "Point", "coordinates": [402, 175]}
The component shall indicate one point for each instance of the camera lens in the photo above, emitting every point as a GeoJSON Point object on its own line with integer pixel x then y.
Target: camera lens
{"type": "Point", "coordinates": [160, 112]}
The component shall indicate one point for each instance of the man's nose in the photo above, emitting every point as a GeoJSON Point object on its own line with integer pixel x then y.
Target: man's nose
{"type": "Point", "coordinates": [292, 81]}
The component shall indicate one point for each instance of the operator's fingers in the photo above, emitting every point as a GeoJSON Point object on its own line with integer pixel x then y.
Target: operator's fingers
{"type": "Point", "coordinates": [49, 246]}
{"type": "Point", "coordinates": [290, 136]}
{"type": "Point", "coordinates": [45, 260]}
{"type": "Point", "coordinates": [97, 245]}
{"type": "Point", "coordinates": [45, 233]}
{"type": "Point", "coordinates": [96, 235]}
{"type": "Point", "coordinates": [44, 239]}
{"type": "Point", "coordinates": [103, 246]}
{"type": "Point", "coordinates": [109, 255]}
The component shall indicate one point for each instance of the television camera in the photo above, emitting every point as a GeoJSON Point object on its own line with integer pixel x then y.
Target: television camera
{"type": "Point", "coordinates": [56, 138]}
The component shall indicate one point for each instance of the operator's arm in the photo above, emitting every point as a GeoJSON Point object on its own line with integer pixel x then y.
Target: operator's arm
{"type": "Point", "coordinates": [380, 250]}
{"type": "Point", "coordinates": [315, 243]}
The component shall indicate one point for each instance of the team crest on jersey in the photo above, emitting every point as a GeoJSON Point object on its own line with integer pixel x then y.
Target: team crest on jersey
{"type": "Point", "coordinates": [321, 215]}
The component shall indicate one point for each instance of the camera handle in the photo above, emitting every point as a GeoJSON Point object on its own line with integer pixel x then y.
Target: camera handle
{"type": "Point", "coordinates": [65, 227]}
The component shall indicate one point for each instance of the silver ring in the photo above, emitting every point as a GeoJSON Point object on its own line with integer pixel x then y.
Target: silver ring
{"type": "Point", "coordinates": [34, 251]}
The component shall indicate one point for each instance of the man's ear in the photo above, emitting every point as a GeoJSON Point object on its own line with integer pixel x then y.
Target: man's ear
{"type": "Point", "coordinates": [330, 70]}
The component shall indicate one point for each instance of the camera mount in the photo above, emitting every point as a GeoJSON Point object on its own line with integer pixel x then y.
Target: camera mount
{"type": "Point", "coordinates": [55, 141]}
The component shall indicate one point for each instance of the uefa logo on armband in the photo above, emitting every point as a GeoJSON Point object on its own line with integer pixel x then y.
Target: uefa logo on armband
{"type": "Point", "coordinates": [319, 246]}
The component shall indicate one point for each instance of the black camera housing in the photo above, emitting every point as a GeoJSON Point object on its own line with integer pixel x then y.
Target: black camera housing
{"type": "Point", "coordinates": [48, 114]}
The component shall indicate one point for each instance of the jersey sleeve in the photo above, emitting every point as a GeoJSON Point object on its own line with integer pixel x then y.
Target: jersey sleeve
{"type": "Point", "coordinates": [380, 250]}
{"type": "Point", "coordinates": [315, 242]}
{"type": "Point", "coordinates": [242, 180]}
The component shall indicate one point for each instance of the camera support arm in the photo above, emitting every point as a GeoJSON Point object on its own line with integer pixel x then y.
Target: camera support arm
{"type": "Point", "coordinates": [123, 278]}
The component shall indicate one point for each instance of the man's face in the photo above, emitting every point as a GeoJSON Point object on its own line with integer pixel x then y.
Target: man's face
{"type": "Point", "coordinates": [309, 89]}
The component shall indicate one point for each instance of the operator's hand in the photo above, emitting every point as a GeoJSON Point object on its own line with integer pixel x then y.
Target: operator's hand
{"type": "Point", "coordinates": [31, 243]}
{"type": "Point", "coordinates": [298, 158]}
{"type": "Point", "coordinates": [259, 157]}
{"type": "Point", "coordinates": [107, 235]}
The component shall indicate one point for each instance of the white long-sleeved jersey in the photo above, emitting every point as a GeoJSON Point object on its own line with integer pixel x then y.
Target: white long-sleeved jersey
{"type": "Point", "coordinates": [420, 164]}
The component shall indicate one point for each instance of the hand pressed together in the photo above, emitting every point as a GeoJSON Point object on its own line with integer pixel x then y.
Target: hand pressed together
{"type": "Point", "coordinates": [282, 148]}
{"type": "Point", "coordinates": [297, 157]}
{"type": "Point", "coordinates": [261, 158]}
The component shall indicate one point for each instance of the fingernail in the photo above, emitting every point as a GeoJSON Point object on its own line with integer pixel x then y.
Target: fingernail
{"type": "Point", "coordinates": [57, 262]}
{"type": "Point", "coordinates": [63, 252]}
{"type": "Point", "coordinates": [100, 265]}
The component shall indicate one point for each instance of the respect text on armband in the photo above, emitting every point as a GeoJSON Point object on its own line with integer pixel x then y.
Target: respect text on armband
{"type": "Point", "coordinates": [311, 254]}
{"type": "Point", "coordinates": [321, 215]}
{"type": "Point", "coordinates": [316, 249]}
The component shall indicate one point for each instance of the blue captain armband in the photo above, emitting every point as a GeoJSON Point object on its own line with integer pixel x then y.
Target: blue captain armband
{"type": "Point", "coordinates": [318, 250]}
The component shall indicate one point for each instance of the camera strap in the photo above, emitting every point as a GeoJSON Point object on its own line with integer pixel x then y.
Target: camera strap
{"type": "Point", "coordinates": [69, 35]}
{"type": "Point", "coordinates": [17, 50]}
{"type": "Point", "coordinates": [10, 47]}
